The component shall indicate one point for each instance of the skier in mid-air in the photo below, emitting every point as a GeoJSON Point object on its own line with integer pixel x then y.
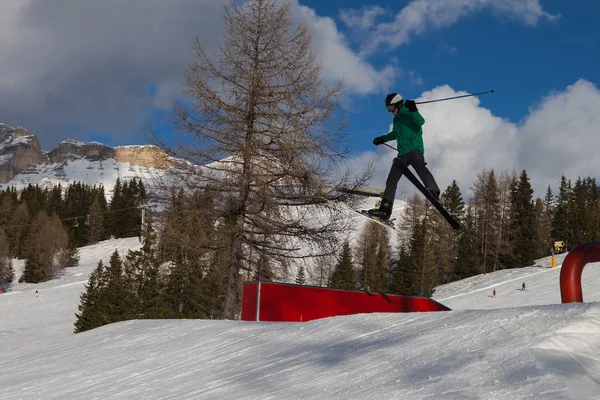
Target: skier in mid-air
{"type": "Point", "coordinates": [408, 133]}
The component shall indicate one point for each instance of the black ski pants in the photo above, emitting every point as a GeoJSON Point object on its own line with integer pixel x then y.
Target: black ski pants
{"type": "Point", "coordinates": [415, 159]}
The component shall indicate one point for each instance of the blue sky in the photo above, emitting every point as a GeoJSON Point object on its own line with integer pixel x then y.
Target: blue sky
{"type": "Point", "coordinates": [65, 75]}
{"type": "Point", "coordinates": [523, 63]}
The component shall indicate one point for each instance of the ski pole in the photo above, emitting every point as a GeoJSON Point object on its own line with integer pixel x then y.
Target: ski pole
{"type": "Point", "coordinates": [455, 97]}
{"type": "Point", "coordinates": [391, 147]}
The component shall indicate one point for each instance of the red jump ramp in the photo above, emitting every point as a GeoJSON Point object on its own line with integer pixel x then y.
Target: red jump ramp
{"type": "Point", "coordinates": [283, 302]}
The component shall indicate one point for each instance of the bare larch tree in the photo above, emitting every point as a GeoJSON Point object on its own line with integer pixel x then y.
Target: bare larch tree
{"type": "Point", "coordinates": [268, 133]}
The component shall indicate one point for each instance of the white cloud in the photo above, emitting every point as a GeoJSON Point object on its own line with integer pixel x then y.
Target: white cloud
{"type": "Point", "coordinates": [561, 135]}
{"type": "Point", "coordinates": [363, 18]}
{"type": "Point", "coordinates": [462, 137]}
{"type": "Point", "coordinates": [339, 60]}
{"type": "Point", "coordinates": [70, 67]}
{"type": "Point", "coordinates": [421, 15]}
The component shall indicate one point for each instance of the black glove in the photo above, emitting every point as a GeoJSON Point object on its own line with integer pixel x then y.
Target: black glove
{"type": "Point", "coordinates": [411, 105]}
{"type": "Point", "coordinates": [378, 140]}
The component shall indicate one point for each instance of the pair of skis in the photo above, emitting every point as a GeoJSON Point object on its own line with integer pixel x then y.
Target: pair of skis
{"type": "Point", "coordinates": [417, 183]}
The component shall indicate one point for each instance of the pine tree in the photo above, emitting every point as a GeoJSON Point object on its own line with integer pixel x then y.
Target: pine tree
{"type": "Point", "coordinates": [44, 248]}
{"type": "Point", "coordinates": [18, 226]}
{"type": "Point", "coordinates": [549, 205]}
{"type": "Point", "coordinates": [95, 222]}
{"type": "Point", "coordinates": [578, 213]}
{"type": "Point", "coordinates": [188, 240]}
{"type": "Point", "coordinates": [119, 300]}
{"type": "Point", "coordinates": [34, 197]}
{"type": "Point", "coordinates": [444, 238]}
{"type": "Point", "coordinates": [452, 201]}
{"type": "Point", "coordinates": [593, 210]}
{"type": "Point", "coordinates": [467, 257]}
{"type": "Point", "coordinates": [425, 258]}
{"type": "Point", "coordinates": [116, 213]}
{"type": "Point", "coordinates": [138, 194]}
{"type": "Point", "coordinates": [142, 270]}
{"type": "Point", "coordinates": [73, 257]}
{"type": "Point", "coordinates": [91, 309]}
{"type": "Point", "coordinates": [487, 212]}
{"type": "Point", "coordinates": [300, 277]}
{"type": "Point", "coordinates": [173, 236]}
{"type": "Point", "coordinates": [7, 207]}
{"type": "Point", "coordinates": [77, 201]}
{"type": "Point", "coordinates": [344, 274]}
{"type": "Point", "coordinates": [189, 291]}
{"type": "Point", "coordinates": [37, 268]}
{"type": "Point", "coordinates": [54, 202]}
{"type": "Point", "coordinates": [263, 270]}
{"type": "Point", "coordinates": [373, 255]}
{"type": "Point", "coordinates": [6, 267]}
{"type": "Point", "coordinates": [100, 197]}
{"type": "Point", "coordinates": [503, 252]}
{"type": "Point", "coordinates": [543, 229]}
{"type": "Point", "coordinates": [560, 217]}
{"type": "Point", "coordinates": [414, 214]}
{"type": "Point", "coordinates": [404, 275]}
{"type": "Point", "coordinates": [523, 232]}
{"type": "Point", "coordinates": [419, 264]}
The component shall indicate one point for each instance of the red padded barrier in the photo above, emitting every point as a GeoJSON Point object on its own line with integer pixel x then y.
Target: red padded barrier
{"type": "Point", "coordinates": [572, 268]}
{"type": "Point", "coordinates": [282, 302]}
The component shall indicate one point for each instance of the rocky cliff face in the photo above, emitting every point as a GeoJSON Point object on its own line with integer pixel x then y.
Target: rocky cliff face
{"type": "Point", "coordinates": [72, 150]}
{"type": "Point", "coordinates": [19, 148]}
{"type": "Point", "coordinates": [145, 156]}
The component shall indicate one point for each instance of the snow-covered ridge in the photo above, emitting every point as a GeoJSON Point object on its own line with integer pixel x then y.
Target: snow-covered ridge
{"type": "Point", "coordinates": [78, 143]}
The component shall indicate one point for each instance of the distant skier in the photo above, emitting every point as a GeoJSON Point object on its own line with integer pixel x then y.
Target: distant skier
{"type": "Point", "coordinates": [523, 287]}
{"type": "Point", "coordinates": [36, 293]}
{"type": "Point", "coordinates": [494, 293]}
{"type": "Point", "coordinates": [408, 133]}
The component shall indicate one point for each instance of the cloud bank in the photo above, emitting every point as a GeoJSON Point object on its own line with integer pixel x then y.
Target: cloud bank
{"type": "Point", "coordinates": [422, 15]}
{"type": "Point", "coordinates": [74, 67]}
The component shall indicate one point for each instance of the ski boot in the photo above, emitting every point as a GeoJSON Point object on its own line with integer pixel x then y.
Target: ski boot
{"type": "Point", "coordinates": [383, 212]}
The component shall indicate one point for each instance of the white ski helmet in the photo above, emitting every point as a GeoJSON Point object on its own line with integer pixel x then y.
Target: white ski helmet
{"type": "Point", "coordinates": [393, 100]}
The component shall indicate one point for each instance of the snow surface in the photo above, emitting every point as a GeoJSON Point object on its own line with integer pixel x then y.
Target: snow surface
{"type": "Point", "coordinates": [516, 345]}
{"type": "Point", "coordinates": [92, 172]}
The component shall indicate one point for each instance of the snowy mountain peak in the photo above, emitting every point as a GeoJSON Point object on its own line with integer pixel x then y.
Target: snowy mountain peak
{"type": "Point", "coordinates": [79, 143]}
{"type": "Point", "coordinates": [74, 150]}
{"type": "Point", "coordinates": [22, 162]}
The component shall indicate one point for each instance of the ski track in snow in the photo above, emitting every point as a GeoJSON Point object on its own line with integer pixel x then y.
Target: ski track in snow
{"type": "Point", "coordinates": [518, 345]}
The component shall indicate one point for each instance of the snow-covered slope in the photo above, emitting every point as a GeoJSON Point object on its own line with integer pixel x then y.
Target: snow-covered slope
{"type": "Point", "coordinates": [91, 172]}
{"type": "Point", "coordinates": [518, 345]}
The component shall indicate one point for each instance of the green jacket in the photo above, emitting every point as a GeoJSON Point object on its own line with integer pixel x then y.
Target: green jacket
{"type": "Point", "coordinates": [407, 131]}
